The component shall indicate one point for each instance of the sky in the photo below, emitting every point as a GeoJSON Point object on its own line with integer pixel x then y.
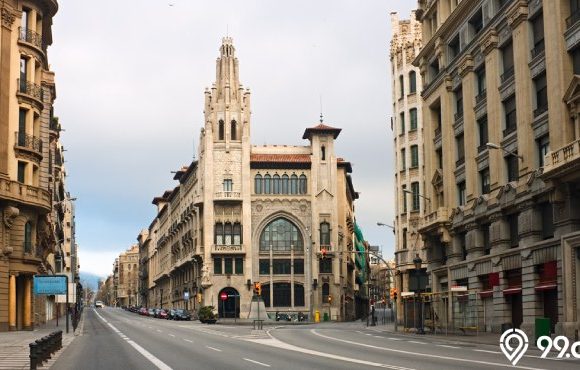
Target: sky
{"type": "Point", "coordinates": [130, 77]}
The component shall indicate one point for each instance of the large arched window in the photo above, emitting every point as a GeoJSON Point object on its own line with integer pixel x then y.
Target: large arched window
{"type": "Point", "coordinates": [276, 184]}
{"type": "Point", "coordinates": [258, 184]}
{"type": "Point", "coordinates": [221, 130]}
{"type": "Point", "coordinates": [28, 237]}
{"type": "Point", "coordinates": [281, 235]}
{"type": "Point", "coordinates": [285, 183]}
{"type": "Point", "coordinates": [267, 184]}
{"type": "Point", "coordinates": [302, 184]}
{"type": "Point", "coordinates": [233, 130]}
{"type": "Point", "coordinates": [294, 184]}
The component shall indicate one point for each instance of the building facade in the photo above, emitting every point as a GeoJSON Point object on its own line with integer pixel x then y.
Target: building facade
{"type": "Point", "coordinates": [407, 130]}
{"type": "Point", "coordinates": [32, 191]}
{"type": "Point", "coordinates": [279, 215]}
{"type": "Point", "coordinates": [127, 268]}
{"type": "Point", "coordinates": [501, 156]}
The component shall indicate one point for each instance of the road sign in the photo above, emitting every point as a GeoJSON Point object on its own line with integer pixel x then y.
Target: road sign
{"type": "Point", "coordinates": [223, 296]}
{"type": "Point", "coordinates": [50, 284]}
{"type": "Point", "coordinates": [185, 295]}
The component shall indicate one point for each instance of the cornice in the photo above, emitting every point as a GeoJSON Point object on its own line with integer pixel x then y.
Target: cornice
{"type": "Point", "coordinates": [8, 17]}
{"type": "Point", "coordinates": [489, 41]}
{"type": "Point", "coordinates": [517, 13]}
{"type": "Point", "coordinates": [465, 65]}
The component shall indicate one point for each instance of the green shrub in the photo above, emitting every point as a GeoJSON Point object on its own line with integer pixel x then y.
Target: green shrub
{"type": "Point", "coordinates": [206, 313]}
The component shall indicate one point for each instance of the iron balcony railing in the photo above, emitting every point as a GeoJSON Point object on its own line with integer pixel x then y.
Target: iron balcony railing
{"type": "Point", "coordinates": [481, 96]}
{"type": "Point", "coordinates": [508, 130]}
{"type": "Point", "coordinates": [538, 49]}
{"type": "Point", "coordinates": [30, 88]}
{"type": "Point", "coordinates": [28, 141]}
{"type": "Point", "coordinates": [539, 110]}
{"type": "Point", "coordinates": [30, 37]}
{"type": "Point", "coordinates": [573, 18]}
{"type": "Point", "coordinates": [507, 74]}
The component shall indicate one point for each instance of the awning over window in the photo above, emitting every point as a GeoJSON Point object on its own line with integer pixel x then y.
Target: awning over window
{"type": "Point", "coordinates": [512, 291]}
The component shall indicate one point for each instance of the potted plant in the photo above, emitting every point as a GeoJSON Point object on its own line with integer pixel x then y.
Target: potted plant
{"type": "Point", "coordinates": [206, 315]}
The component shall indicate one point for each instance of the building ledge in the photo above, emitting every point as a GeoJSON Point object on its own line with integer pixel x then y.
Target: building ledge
{"type": "Point", "coordinates": [26, 194]}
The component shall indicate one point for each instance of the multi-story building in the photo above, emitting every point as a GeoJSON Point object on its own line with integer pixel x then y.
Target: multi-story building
{"type": "Point", "coordinates": [280, 215]}
{"type": "Point", "coordinates": [501, 156]}
{"type": "Point", "coordinates": [407, 130]}
{"type": "Point", "coordinates": [144, 241]}
{"type": "Point", "coordinates": [28, 153]}
{"type": "Point", "coordinates": [127, 271]}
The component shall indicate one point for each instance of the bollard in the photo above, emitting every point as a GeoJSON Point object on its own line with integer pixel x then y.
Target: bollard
{"type": "Point", "coordinates": [47, 346]}
{"type": "Point", "coordinates": [39, 351]}
{"type": "Point", "coordinates": [59, 336]}
{"type": "Point", "coordinates": [33, 356]}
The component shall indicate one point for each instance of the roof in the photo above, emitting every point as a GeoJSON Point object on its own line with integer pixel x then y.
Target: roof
{"type": "Point", "coordinates": [321, 129]}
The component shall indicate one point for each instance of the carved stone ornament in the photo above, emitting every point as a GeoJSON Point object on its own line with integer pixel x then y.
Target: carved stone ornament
{"type": "Point", "coordinates": [465, 65]}
{"type": "Point", "coordinates": [495, 260]}
{"type": "Point", "coordinates": [205, 280]}
{"type": "Point", "coordinates": [517, 15]}
{"type": "Point", "coordinates": [10, 214]}
{"type": "Point", "coordinates": [7, 18]}
{"type": "Point", "coordinates": [490, 41]}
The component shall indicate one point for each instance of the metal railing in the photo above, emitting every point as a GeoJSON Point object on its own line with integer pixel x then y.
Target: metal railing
{"type": "Point", "coordinates": [508, 130]}
{"type": "Point", "coordinates": [30, 37]}
{"type": "Point", "coordinates": [28, 141]}
{"type": "Point", "coordinates": [538, 49]}
{"type": "Point", "coordinates": [507, 74]}
{"type": "Point", "coordinates": [43, 348]}
{"type": "Point", "coordinates": [481, 96]}
{"type": "Point", "coordinates": [573, 18]}
{"type": "Point", "coordinates": [30, 88]}
{"type": "Point", "coordinates": [540, 110]}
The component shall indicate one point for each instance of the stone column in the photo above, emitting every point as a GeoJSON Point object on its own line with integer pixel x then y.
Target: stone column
{"type": "Point", "coordinates": [27, 314]}
{"type": "Point", "coordinates": [499, 233]}
{"type": "Point", "coordinates": [502, 311]}
{"type": "Point", "coordinates": [455, 254]}
{"type": "Point", "coordinates": [474, 241]}
{"type": "Point", "coordinates": [12, 303]}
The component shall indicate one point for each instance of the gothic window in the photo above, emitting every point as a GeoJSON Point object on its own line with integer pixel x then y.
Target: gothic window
{"type": "Point", "coordinates": [237, 233]}
{"type": "Point", "coordinates": [221, 130]}
{"type": "Point", "coordinates": [219, 233]}
{"type": "Point", "coordinates": [267, 184]}
{"type": "Point", "coordinates": [294, 184]}
{"type": "Point", "coordinates": [324, 234]}
{"type": "Point", "coordinates": [302, 184]}
{"type": "Point", "coordinates": [228, 233]}
{"type": "Point", "coordinates": [258, 184]}
{"type": "Point", "coordinates": [285, 184]}
{"type": "Point", "coordinates": [276, 184]}
{"type": "Point", "coordinates": [233, 131]}
{"type": "Point", "coordinates": [228, 185]}
{"type": "Point", "coordinates": [325, 292]}
{"type": "Point", "coordinates": [28, 237]}
{"type": "Point", "coordinates": [281, 235]}
{"type": "Point", "coordinates": [323, 153]}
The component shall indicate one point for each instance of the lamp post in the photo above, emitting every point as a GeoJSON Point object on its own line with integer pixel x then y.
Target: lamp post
{"type": "Point", "coordinates": [417, 261]}
{"type": "Point", "coordinates": [496, 146]}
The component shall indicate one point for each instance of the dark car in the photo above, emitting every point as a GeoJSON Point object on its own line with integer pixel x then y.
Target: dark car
{"type": "Point", "coordinates": [170, 314]}
{"type": "Point", "coordinates": [181, 315]}
{"type": "Point", "coordinates": [151, 312]}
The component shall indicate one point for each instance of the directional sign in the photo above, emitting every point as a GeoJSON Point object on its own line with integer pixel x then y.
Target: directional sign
{"type": "Point", "coordinates": [186, 295]}
{"type": "Point", "coordinates": [224, 296]}
{"type": "Point", "coordinates": [50, 284]}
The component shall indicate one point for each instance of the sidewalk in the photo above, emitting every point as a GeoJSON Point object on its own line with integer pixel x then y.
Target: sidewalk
{"type": "Point", "coordinates": [14, 349]}
{"type": "Point", "coordinates": [475, 338]}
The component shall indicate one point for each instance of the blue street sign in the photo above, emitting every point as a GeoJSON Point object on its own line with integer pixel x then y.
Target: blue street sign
{"type": "Point", "coordinates": [185, 295]}
{"type": "Point", "coordinates": [50, 285]}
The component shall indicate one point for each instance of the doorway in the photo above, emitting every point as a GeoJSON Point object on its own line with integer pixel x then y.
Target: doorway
{"type": "Point", "coordinates": [230, 307]}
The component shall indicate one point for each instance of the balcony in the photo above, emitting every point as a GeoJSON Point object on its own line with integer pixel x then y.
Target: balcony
{"type": "Point", "coordinates": [30, 89]}
{"type": "Point", "coordinates": [228, 249]}
{"type": "Point", "coordinates": [538, 49]}
{"type": "Point", "coordinates": [563, 162]}
{"type": "Point", "coordinates": [27, 194]}
{"type": "Point", "coordinates": [29, 142]}
{"type": "Point", "coordinates": [458, 116]}
{"type": "Point", "coordinates": [538, 111]}
{"type": "Point", "coordinates": [481, 96]}
{"type": "Point", "coordinates": [31, 37]}
{"type": "Point", "coordinates": [227, 196]}
{"type": "Point", "coordinates": [460, 162]}
{"type": "Point", "coordinates": [508, 73]}
{"type": "Point", "coordinates": [434, 219]}
{"type": "Point", "coordinates": [573, 18]}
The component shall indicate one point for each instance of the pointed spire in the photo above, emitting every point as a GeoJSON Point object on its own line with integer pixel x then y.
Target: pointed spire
{"type": "Point", "coordinates": [227, 78]}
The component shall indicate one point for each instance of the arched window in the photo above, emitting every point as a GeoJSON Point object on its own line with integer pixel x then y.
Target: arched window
{"type": "Point", "coordinates": [219, 233]}
{"type": "Point", "coordinates": [28, 237]}
{"type": "Point", "coordinates": [412, 82]}
{"type": "Point", "coordinates": [221, 130]}
{"type": "Point", "coordinates": [276, 184]}
{"type": "Point", "coordinates": [258, 184]}
{"type": "Point", "coordinates": [237, 233]}
{"type": "Point", "coordinates": [325, 292]}
{"type": "Point", "coordinates": [267, 184]}
{"type": "Point", "coordinates": [233, 131]}
{"type": "Point", "coordinates": [324, 234]}
{"type": "Point", "coordinates": [302, 184]}
{"type": "Point", "coordinates": [281, 235]}
{"type": "Point", "coordinates": [294, 184]}
{"type": "Point", "coordinates": [228, 233]}
{"type": "Point", "coordinates": [298, 294]}
{"type": "Point", "coordinates": [323, 153]}
{"type": "Point", "coordinates": [285, 184]}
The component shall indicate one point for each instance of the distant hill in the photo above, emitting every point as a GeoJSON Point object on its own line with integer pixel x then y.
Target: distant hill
{"type": "Point", "coordinates": [90, 280]}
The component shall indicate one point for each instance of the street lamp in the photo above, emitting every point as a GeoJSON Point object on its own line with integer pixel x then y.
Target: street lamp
{"type": "Point", "coordinates": [496, 146]}
{"type": "Point", "coordinates": [386, 225]}
{"type": "Point", "coordinates": [418, 194]}
{"type": "Point", "coordinates": [417, 261]}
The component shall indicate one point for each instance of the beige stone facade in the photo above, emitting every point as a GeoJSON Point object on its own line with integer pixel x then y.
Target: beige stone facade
{"type": "Point", "coordinates": [280, 215]}
{"type": "Point", "coordinates": [407, 129]}
{"type": "Point", "coordinates": [127, 277]}
{"type": "Point", "coordinates": [502, 219]}
{"type": "Point", "coordinates": [32, 191]}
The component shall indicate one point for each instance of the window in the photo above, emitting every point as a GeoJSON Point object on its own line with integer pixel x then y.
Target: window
{"type": "Point", "coordinates": [481, 89]}
{"type": "Point", "coordinates": [25, 17]}
{"type": "Point", "coordinates": [21, 171]}
{"type": "Point", "coordinates": [415, 191]}
{"type": "Point", "coordinates": [266, 293]}
{"type": "Point", "coordinates": [402, 120]}
{"type": "Point", "coordinates": [463, 245]}
{"type": "Point", "coordinates": [512, 167]}
{"type": "Point", "coordinates": [258, 184]}
{"type": "Point", "coordinates": [434, 68]}
{"type": "Point", "coordinates": [28, 237]}
{"type": "Point", "coordinates": [324, 234]}
{"type": "Point", "coordinates": [512, 221]}
{"type": "Point", "coordinates": [538, 31]}
{"type": "Point", "coordinates": [404, 238]}
{"type": "Point", "coordinates": [461, 193]}
{"type": "Point", "coordinates": [412, 82]}
{"type": "Point", "coordinates": [460, 146]}
{"type": "Point", "coordinates": [414, 156]}
{"type": "Point", "coordinates": [576, 58]}
{"type": "Point", "coordinates": [23, 74]}
{"type": "Point", "coordinates": [281, 267]}
{"type": "Point", "coordinates": [453, 48]}
{"type": "Point", "coordinates": [509, 107]}
{"type": "Point", "coordinates": [233, 130]}
{"type": "Point", "coordinates": [298, 267]}
{"type": "Point", "coordinates": [282, 295]}
{"type": "Point", "coordinates": [507, 53]}
{"type": "Point", "coordinates": [228, 185]}
{"type": "Point", "coordinates": [264, 267]}
{"type": "Point", "coordinates": [401, 87]}
{"type": "Point", "coordinates": [413, 118]}
{"type": "Point", "coordinates": [543, 144]}
{"type": "Point", "coordinates": [302, 184]}
{"type": "Point", "coordinates": [281, 235]}
{"type": "Point", "coordinates": [21, 127]}
{"type": "Point", "coordinates": [276, 184]}
{"type": "Point", "coordinates": [298, 294]}
{"type": "Point", "coordinates": [267, 184]}
{"type": "Point", "coordinates": [439, 154]}
{"type": "Point", "coordinates": [285, 183]}
{"type": "Point", "coordinates": [403, 160]}
{"type": "Point", "coordinates": [547, 220]}
{"type": "Point", "coordinates": [325, 292]}
{"type": "Point", "coordinates": [458, 103]}
{"type": "Point", "coordinates": [237, 233]}
{"type": "Point", "coordinates": [217, 265]}
{"type": "Point", "coordinates": [228, 265]}
{"type": "Point", "coordinates": [541, 94]}
{"type": "Point", "coordinates": [294, 184]}
{"type": "Point", "coordinates": [228, 233]}
{"type": "Point", "coordinates": [476, 23]}
{"type": "Point", "coordinates": [484, 181]}
{"type": "Point", "coordinates": [403, 191]}
{"type": "Point", "coordinates": [325, 265]}
{"type": "Point", "coordinates": [483, 136]}
{"type": "Point", "coordinates": [486, 239]}
{"type": "Point", "coordinates": [221, 130]}
{"type": "Point", "coordinates": [323, 153]}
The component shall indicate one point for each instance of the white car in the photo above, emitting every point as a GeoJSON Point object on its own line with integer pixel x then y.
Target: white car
{"type": "Point", "coordinates": [99, 304]}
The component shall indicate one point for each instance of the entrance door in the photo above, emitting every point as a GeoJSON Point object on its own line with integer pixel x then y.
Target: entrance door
{"type": "Point", "coordinates": [515, 301]}
{"type": "Point", "coordinates": [229, 308]}
{"type": "Point", "coordinates": [551, 307]}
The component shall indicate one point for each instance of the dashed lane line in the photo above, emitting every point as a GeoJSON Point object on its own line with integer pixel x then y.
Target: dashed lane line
{"type": "Point", "coordinates": [187, 340]}
{"type": "Point", "coordinates": [446, 346]}
{"type": "Point", "coordinates": [415, 342]}
{"type": "Point", "coordinates": [214, 349]}
{"type": "Point", "coordinates": [256, 362]}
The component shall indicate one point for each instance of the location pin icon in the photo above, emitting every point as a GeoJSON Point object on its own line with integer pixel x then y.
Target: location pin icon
{"type": "Point", "coordinates": [513, 353]}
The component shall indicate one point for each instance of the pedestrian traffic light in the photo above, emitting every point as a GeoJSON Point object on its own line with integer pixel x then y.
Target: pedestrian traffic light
{"type": "Point", "coordinates": [258, 288]}
{"type": "Point", "coordinates": [329, 298]}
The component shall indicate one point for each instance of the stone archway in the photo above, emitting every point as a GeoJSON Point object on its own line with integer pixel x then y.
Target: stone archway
{"type": "Point", "coordinates": [230, 307]}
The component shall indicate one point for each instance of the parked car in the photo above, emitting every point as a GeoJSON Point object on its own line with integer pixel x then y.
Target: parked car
{"type": "Point", "coordinates": [99, 304]}
{"type": "Point", "coordinates": [143, 311]}
{"type": "Point", "coordinates": [163, 314]}
{"type": "Point", "coordinates": [157, 312]}
{"type": "Point", "coordinates": [170, 314]}
{"type": "Point", "coordinates": [151, 312]}
{"type": "Point", "coordinates": [181, 315]}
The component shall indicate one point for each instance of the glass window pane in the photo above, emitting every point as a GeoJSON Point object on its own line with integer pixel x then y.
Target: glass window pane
{"type": "Point", "coordinates": [298, 266]}
{"type": "Point", "coordinates": [228, 265]}
{"type": "Point", "coordinates": [217, 265]}
{"type": "Point", "coordinates": [264, 267]}
{"type": "Point", "coordinates": [239, 265]}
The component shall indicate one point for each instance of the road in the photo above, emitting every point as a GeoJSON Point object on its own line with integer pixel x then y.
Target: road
{"type": "Point", "coordinates": [116, 339]}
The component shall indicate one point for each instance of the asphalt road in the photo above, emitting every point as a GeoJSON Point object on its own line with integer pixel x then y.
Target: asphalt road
{"type": "Point", "coordinates": [116, 339]}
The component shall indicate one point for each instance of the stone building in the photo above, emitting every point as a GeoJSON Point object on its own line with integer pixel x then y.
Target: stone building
{"type": "Point", "coordinates": [127, 272]}
{"type": "Point", "coordinates": [280, 215]}
{"type": "Point", "coordinates": [501, 155]}
{"type": "Point", "coordinates": [407, 130]}
{"type": "Point", "coordinates": [32, 190]}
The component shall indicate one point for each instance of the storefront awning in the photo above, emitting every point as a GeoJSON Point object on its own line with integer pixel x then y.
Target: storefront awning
{"type": "Point", "coordinates": [545, 286]}
{"type": "Point", "coordinates": [512, 291]}
{"type": "Point", "coordinates": [486, 294]}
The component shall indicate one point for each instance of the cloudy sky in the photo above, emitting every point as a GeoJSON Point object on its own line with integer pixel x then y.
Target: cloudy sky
{"type": "Point", "coordinates": [130, 81]}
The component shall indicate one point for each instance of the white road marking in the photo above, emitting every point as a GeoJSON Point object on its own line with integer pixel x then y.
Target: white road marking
{"type": "Point", "coordinates": [154, 360]}
{"type": "Point", "coordinates": [159, 331]}
{"type": "Point", "coordinates": [483, 350]}
{"type": "Point", "coordinates": [215, 349]}
{"type": "Point", "coordinates": [394, 338]}
{"type": "Point", "coordinates": [414, 341]}
{"type": "Point", "coordinates": [446, 346]}
{"type": "Point", "coordinates": [171, 335]}
{"type": "Point", "coordinates": [313, 331]}
{"type": "Point", "coordinates": [257, 362]}
{"type": "Point", "coordinates": [187, 340]}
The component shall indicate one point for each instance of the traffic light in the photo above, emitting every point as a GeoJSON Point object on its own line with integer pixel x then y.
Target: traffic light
{"type": "Point", "coordinates": [323, 252]}
{"type": "Point", "coordinates": [329, 298]}
{"type": "Point", "coordinates": [393, 293]}
{"type": "Point", "coordinates": [258, 288]}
